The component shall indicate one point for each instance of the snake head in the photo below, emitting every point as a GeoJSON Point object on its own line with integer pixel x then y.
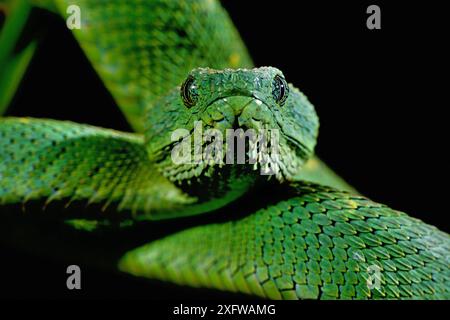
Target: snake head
{"type": "Point", "coordinates": [228, 117]}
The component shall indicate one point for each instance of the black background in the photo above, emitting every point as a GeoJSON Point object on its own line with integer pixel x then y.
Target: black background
{"type": "Point", "coordinates": [380, 96]}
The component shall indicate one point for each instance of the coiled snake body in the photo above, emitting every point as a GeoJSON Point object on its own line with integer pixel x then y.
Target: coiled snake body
{"type": "Point", "coordinates": [306, 241]}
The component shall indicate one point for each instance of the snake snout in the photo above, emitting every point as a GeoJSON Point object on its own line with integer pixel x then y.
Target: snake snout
{"type": "Point", "coordinates": [238, 103]}
{"type": "Point", "coordinates": [256, 115]}
{"type": "Point", "coordinates": [235, 112]}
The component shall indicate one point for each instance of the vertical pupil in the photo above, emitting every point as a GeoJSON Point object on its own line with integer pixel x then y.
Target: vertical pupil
{"type": "Point", "coordinates": [281, 89]}
{"type": "Point", "coordinates": [188, 92]}
{"type": "Point", "coordinates": [280, 86]}
{"type": "Point", "coordinates": [187, 88]}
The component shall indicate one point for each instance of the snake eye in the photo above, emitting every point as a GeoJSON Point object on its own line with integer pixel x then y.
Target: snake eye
{"type": "Point", "coordinates": [189, 92]}
{"type": "Point", "coordinates": [280, 89]}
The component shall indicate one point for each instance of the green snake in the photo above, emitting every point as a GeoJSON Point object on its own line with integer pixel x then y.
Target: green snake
{"type": "Point", "coordinates": [172, 65]}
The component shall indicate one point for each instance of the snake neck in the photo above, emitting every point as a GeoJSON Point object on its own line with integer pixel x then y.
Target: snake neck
{"type": "Point", "coordinates": [213, 188]}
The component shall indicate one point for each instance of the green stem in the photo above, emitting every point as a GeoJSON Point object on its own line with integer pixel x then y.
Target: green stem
{"type": "Point", "coordinates": [13, 64]}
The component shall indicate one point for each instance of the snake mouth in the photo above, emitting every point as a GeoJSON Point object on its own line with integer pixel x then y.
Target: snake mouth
{"type": "Point", "coordinates": [250, 135]}
{"type": "Point", "coordinates": [232, 131]}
